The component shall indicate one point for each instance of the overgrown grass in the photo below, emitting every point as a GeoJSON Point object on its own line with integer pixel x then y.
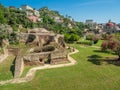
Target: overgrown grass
{"type": "Point", "coordinates": [85, 75]}
{"type": "Point", "coordinates": [7, 68]}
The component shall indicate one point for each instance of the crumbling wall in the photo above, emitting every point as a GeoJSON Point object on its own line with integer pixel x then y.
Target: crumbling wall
{"type": "Point", "coordinates": [13, 51]}
{"type": "Point", "coordinates": [55, 57]}
{"type": "Point", "coordinates": [58, 57]}
{"type": "Point", "coordinates": [19, 66]}
{"type": "Point", "coordinates": [36, 58]}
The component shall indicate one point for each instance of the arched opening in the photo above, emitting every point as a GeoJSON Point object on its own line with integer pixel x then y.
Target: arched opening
{"type": "Point", "coordinates": [41, 60]}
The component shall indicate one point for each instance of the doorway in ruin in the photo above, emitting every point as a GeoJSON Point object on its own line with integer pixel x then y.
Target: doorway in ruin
{"type": "Point", "coordinates": [47, 59]}
{"type": "Point", "coordinates": [41, 61]}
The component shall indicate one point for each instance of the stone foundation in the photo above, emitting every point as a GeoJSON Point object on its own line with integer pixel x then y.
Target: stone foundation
{"type": "Point", "coordinates": [19, 67]}
{"type": "Point", "coordinates": [59, 61]}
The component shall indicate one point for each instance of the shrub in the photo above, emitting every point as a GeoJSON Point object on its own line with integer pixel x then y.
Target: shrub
{"type": "Point", "coordinates": [71, 37]}
{"type": "Point", "coordinates": [106, 36]}
{"type": "Point", "coordinates": [113, 44]}
{"type": "Point", "coordinates": [104, 46]}
{"type": "Point", "coordinates": [67, 37]}
{"type": "Point", "coordinates": [85, 42]}
{"type": "Point", "coordinates": [74, 37]}
{"type": "Point", "coordinates": [95, 39]}
{"type": "Point", "coordinates": [89, 37]}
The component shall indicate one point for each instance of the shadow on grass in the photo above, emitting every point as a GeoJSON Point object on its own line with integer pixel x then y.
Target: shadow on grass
{"type": "Point", "coordinates": [12, 68]}
{"type": "Point", "coordinates": [98, 60]}
{"type": "Point", "coordinates": [94, 59]}
{"type": "Point", "coordinates": [107, 52]}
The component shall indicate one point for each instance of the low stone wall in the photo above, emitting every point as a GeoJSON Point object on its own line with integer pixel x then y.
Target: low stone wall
{"type": "Point", "coordinates": [59, 61]}
{"type": "Point", "coordinates": [58, 57]}
{"type": "Point", "coordinates": [55, 57]}
{"type": "Point", "coordinates": [36, 56]}
{"type": "Point", "coordinates": [13, 51]}
{"type": "Point", "coordinates": [19, 66]}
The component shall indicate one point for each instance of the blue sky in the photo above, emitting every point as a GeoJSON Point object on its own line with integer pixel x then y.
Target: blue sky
{"type": "Point", "coordinates": [98, 10]}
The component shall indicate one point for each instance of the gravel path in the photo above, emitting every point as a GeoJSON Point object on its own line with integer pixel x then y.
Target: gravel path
{"type": "Point", "coordinates": [31, 73]}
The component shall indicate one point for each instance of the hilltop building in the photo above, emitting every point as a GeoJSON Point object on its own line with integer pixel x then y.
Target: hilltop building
{"type": "Point", "coordinates": [32, 13]}
{"type": "Point", "coordinates": [109, 27]}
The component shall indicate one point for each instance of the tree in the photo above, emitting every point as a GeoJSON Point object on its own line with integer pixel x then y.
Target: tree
{"type": "Point", "coordinates": [71, 37]}
{"type": "Point", "coordinates": [113, 44]}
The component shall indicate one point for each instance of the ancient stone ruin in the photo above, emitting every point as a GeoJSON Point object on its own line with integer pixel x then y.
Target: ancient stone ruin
{"type": "Point", "coordinates": [46, 48]}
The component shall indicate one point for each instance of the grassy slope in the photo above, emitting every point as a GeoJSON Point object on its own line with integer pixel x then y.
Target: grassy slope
{"type": "Point", "coordinates": [83, 76]}
{"type": "Point", "coordinates": [6, 68]}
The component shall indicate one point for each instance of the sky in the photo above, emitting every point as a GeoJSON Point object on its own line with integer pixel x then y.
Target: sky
{"type": "Point", "coordinates": [98, 10]}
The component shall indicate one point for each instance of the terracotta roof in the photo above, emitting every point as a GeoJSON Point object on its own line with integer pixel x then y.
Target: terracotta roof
{"type": "Point", "coordinates": [110, 24]}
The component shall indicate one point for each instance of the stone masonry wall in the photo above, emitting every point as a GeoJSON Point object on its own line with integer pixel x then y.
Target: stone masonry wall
{"type": "Point", "coordinates": [58, 57]}
{"type": "Point", "coordinates": [19, 66]}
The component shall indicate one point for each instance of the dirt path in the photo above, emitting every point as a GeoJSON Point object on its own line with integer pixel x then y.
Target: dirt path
{"type": "Point", "coordinates": [31, 73]}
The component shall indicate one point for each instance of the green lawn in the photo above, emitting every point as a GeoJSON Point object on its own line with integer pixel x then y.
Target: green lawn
{"type": "Point", "coordinates": [85, 75]}
{"type": "Point", "coordinates": [99, 43]}
{"type": "Point", "coordinates": [7, 68]}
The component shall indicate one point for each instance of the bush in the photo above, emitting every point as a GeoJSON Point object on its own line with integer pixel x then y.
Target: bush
{"type": "Point", "coordinates": [71, 37]}
{"type": "Point", "coordinates": [85, 42]}
{"type": "Point", "coordinates": [67, 37]}
{"type": "Point", "coordinates": [89, 37]}
{"type": "Point", "coordinates": [74, 37]}
{"type": "Point", "coordinates": [95, 39]}
{"type": "Point", "coordinates": [104, 46]}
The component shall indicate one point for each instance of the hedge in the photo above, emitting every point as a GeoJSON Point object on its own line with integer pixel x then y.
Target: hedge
{"type": "Point", "coordinates": [85, 42]}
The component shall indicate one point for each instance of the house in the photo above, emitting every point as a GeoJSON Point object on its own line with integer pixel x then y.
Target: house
{"type": "Point", "coordinates": [111, 27]}
{"type": "Point", "coordinates": [33, 18]}
{"type": "Point", "coordinates": [32, 14]}
{"type": "Point", "coordinates": [58, 19]}
{"type": "Point", "coordinates": [91, 23]}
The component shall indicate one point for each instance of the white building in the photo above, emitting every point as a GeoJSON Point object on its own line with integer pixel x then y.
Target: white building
{"type": "Point", "coordinates": [58, 19]}
{"type": "Point", "coordinates": [29, 10]}
{"type": "Point", "coordinates": [36, 13]}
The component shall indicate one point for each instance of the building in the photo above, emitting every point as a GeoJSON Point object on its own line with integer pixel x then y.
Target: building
{"type": "Point", "coordinates": [89, 22]}
{"type": "Point", "coordinates": [33, 18]}
{"type": "Point", "coordinates": [111, 27]}
{"type": "Point", "coordinates": [58, 19]}
{"type": "Point", "coordinates": [25, 8]}
{"type": "Point", "coordinates": [32, 14]}
{"type": "Point", "coordinates": [92, 24]}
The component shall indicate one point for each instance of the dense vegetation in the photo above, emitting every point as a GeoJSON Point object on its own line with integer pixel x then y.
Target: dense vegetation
{"type": "Point", "coordinates": [66, 25]}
